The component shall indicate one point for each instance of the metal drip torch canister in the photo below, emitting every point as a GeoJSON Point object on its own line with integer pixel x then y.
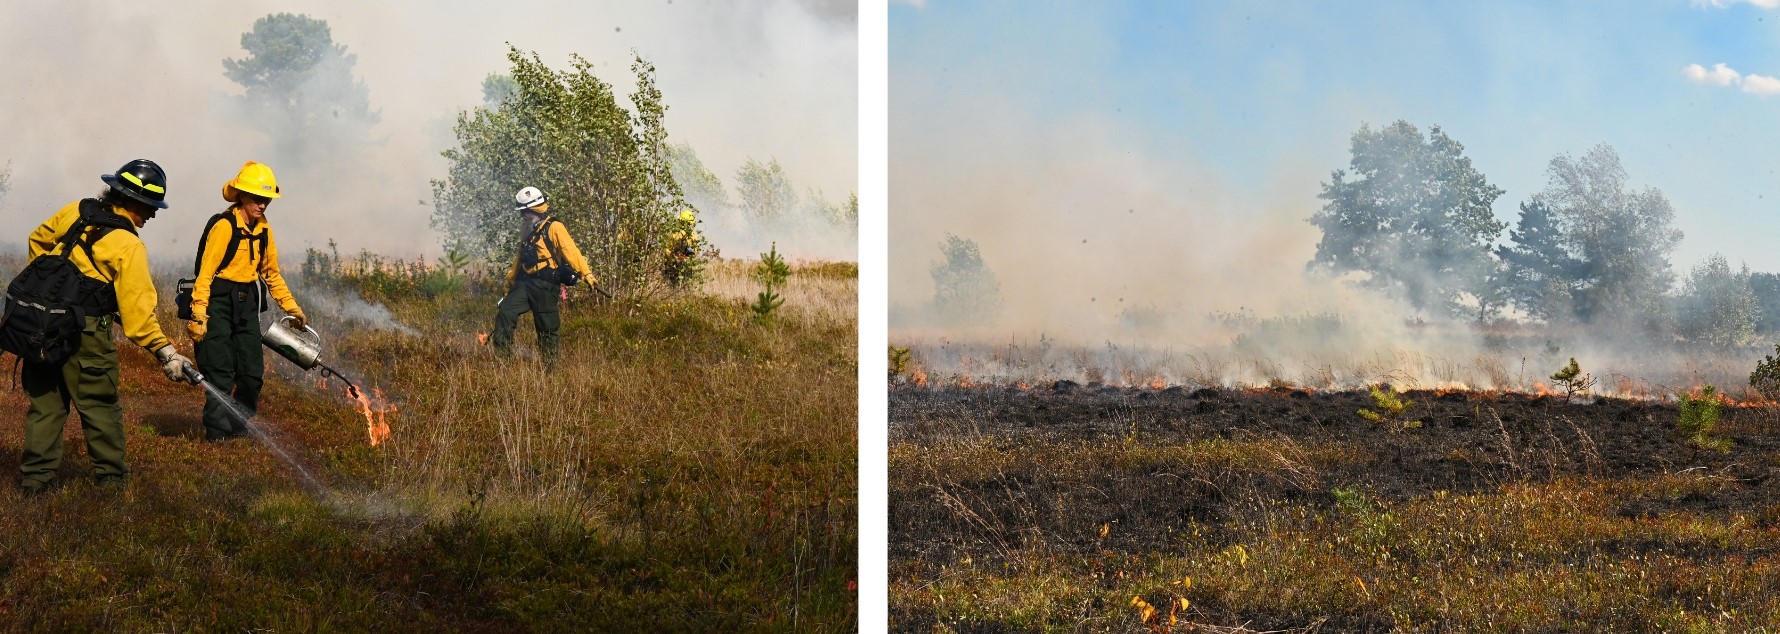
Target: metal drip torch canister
{"type": "Point", "coordinates": [290, 343]}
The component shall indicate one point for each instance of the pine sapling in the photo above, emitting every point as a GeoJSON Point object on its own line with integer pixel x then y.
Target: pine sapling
{"type": "Point", "coordinates": [899, 362]}
{"type": "Point", "coordinates": [1572, 380]}
{"type": "Point", "coordinates": [1699, 416]}
{"type": "Point", "coordinates": [772, 273]}
{"type": "Point", "coordinates": [1391, 410]}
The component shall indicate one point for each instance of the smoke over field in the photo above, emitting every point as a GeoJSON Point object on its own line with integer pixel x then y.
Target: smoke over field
{"type": "Point", "coordinates": [1105, 264]}
{"type": "Point", "coordinates": [108, 83]}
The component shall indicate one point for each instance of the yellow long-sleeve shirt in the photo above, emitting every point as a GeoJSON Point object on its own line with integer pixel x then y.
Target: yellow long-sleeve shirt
{"type": "Point", "coordinates": [120, 257]}
{"type": "Point", "coordinates": [558, 235]}
{"type": "Point", "coordinates": [248, 264]}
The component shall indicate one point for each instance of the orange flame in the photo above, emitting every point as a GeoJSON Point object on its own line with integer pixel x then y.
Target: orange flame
{"type": "Point", "coordinates": [482, 338]}
{"type": "Point", "coordinates": [376, 426]}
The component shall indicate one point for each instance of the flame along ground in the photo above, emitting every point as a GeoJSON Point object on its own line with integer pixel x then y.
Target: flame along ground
{"type": "Point", "coordinates": [1747, 398]}
{"type": "Point", "coordinates": [375, 408]}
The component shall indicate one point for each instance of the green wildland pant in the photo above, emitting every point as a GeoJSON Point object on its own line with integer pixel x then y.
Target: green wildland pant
{"type": "Point", "coordinates": [89, 379]}
{"type": "Point", "coordinates": [230, 356]}
{"type": "Point", "coordinates": [539, 296]}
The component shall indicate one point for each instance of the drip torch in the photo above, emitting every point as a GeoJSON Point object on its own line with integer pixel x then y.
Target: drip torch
{"type": "Point", "coordinates": [289, 343]}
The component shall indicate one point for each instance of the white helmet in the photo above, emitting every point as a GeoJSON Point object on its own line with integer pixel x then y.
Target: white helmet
{"type": "Point", "coordinates": [529, 198]}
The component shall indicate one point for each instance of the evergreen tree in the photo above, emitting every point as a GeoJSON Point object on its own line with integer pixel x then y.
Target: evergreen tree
{"type": "Point", "coordinates": [1538, 272]}
{"type": "Point", "coordinates": [300, 87]}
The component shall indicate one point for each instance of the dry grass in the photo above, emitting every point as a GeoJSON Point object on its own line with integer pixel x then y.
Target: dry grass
{"type": "Point", "coordinates": [1252, 534]}
{"type": "Point", "coordinates": [684, 469]}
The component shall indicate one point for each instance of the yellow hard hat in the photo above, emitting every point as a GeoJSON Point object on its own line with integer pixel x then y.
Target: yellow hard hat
{"type": "Point", "coordinates": [687, 216]}
{"type": "Point", "coordinates": [255, 178]}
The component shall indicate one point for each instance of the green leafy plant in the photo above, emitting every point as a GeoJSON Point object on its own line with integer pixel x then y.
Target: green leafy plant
{"type": "Point", "coordinates": [1392, 410]}
{"type": "Point", "coordinates": [605, 168]}
{"type": "Point", "coordinates": [772, 273]}
{"type": "Point", "coordinates": [1766, 377]}
{"type": "Point", "coordinates": [1572, 381]}
{"type": "Point", "coordinates": [1699, 416]}
{"type": "Point", "coordinates": [899, 362]}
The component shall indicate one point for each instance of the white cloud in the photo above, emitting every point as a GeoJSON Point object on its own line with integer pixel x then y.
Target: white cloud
{"type": "Point", "coordinates": [1720, 4]}
{"type": "Point", "coordinates": [922, 4]}
{"type": "Point", "coordinates": [1720, 75]}
{"type": "Point", "coordinates": [1761, 85]}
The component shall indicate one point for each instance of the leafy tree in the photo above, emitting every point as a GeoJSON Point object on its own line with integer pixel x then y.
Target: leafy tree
{"type": "Point", "coordinates": [964, 289]}
{"type": "Point", "coordinates": [1766, 377]}
{"type": "Point", "coordinates": [1413, 214]}
{"type": "Point", "coordinates": [765, 192]}
{"type": "Point", "coordinates": [835, 214]}
{"type": "Point", "coordinates": [1717, 307]}
{"type": "Point", "coordinates": [604, 169]}
{"type": "Point", "coordinates": [496, 88]}
{"type": "Point", "coordinates": [700, 184]}
{"type": "Point", "coordinates": [300, 86]}
{"type": "Point", "coordinates": [1539, 275]}
{"type": "Point", "coordinates": [1767, 301]}
{"type": "Point", "coordinates": [1622, 237]}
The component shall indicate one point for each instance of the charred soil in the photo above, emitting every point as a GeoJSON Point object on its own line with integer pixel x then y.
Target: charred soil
{"type": "Point", "coordinates": [1112, 486]}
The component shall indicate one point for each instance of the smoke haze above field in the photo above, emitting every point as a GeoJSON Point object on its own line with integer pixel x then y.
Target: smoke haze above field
{"type": "Point", "coordinates": [92, 86]}
{"type": "Point", "coordinates": [1189, 141]}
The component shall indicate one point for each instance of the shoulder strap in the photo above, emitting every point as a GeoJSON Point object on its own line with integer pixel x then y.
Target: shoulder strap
{"type": "Point", "coordinates": [96, 215]}
{"type": "Point", "coordinates": [204, 241]}
{"type": "Point", "coordinates": [544, 233]}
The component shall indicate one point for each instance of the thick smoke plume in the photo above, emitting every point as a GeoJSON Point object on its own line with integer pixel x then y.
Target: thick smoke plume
{"type": "Point", "coordinates": [105, 83]}
{"type": "Point", "coordinates": [1121, 263]}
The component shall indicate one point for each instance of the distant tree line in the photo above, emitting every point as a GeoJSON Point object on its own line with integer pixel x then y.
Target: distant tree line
{"type": "Point", "coordinates": [1411, 216]}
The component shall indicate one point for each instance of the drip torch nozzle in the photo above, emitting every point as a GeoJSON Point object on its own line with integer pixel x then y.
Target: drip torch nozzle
{"type": "Point", "coordinates": [192, 374]}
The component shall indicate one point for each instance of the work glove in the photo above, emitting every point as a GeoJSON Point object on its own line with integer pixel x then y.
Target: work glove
{"type": "Point", "coordinates": [297, 320]}
{"type": "Point", "coordinates": [175, 365]}
{"type": "Point", "coordinates": [196, 330]}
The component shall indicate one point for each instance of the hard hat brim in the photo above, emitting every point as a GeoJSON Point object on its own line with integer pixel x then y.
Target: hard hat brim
{"type": "Point", "coordinates": [111, 179]}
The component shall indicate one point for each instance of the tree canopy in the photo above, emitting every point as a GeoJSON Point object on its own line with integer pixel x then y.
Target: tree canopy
{"type": "Point", "coordinates": [1622, 237]}
{"type": "Point", "coordinates": [1717, 306]}
{"type": "Point", "coordinates": [964, 289]}
{"type": "Point", "coordinates": [1538, 272]}
{"type": "Point", "coordinates": [299, 85]}
{"type": "Point", "coordinates": [1413, 214]}
{"type": "Point", "coordinates": [605, 169]}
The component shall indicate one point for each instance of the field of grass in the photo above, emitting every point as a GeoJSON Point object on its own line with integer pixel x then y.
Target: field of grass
{"type": "Point", "coordinates": [1140, 510]}
{"type": "Point", "coordinates": [684, 469]}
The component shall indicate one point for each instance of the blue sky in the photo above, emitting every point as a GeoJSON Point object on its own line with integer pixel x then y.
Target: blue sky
{"type": "Point", "coordinates": [1257, 100]}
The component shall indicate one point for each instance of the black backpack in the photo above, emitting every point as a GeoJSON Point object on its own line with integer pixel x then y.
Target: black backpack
{"type": "Point", "coordinates": [560, 271]}
{"type": "Point", "coordinates": [182, 293]}
{"type": "Point", "coordinates": [47, 303]}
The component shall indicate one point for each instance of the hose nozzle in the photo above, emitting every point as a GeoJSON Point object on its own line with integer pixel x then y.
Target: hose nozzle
{"type": "Point", "coordinates": [192, 374]}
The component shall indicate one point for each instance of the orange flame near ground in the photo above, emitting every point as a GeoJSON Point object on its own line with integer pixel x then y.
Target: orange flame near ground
{"type": "Point", "coordinates": [482, 338]}
{"type": "Point", "coordinates": [374, 412]}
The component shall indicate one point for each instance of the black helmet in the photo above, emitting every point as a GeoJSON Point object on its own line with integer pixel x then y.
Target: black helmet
{"type": "Point", "coordinates": [142, 180]}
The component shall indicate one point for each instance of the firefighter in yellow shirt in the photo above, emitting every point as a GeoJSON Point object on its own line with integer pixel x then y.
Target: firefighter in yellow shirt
{"type": "Point", "coordinates": [237, 267]}
{"type": "Point", "coordinates": [682, 244]}
{"type": "Point", "coordinates": [115, 262]}
{"type": "Point", "coordinates": [547, 261]}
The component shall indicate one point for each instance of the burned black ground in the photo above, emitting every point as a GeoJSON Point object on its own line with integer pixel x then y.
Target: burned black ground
{"type": "Point", "coordinates": [1310, 445]}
